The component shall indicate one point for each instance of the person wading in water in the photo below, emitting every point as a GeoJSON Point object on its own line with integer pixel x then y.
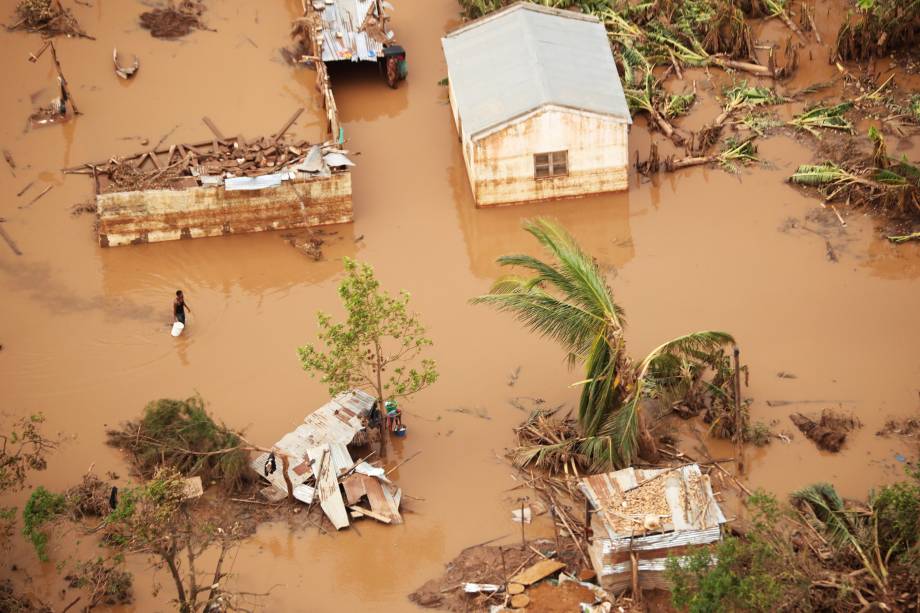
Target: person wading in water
{"type": "Point", "coordinates": [179, 307]}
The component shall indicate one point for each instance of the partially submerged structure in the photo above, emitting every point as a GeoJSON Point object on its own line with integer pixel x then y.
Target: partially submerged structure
{"type": "Point", "coordinates": [221, 186]}
{"type": "Point", "coordinates": [319, 462]}
{"type": "Point", "coordinates": [347, 31]}
{"type": "Point", "coordinates": [640, 517]}
{"type": "Point", "coordinates": [538, 104]}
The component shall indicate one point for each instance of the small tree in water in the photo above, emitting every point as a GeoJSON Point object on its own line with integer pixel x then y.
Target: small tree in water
{"type": "Point", "coordinates": [378, 347]}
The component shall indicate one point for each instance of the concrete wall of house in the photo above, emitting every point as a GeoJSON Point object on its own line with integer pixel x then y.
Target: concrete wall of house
{"type": "Point", "coordinates": [501, 165]}
{"type": "Point", "coordinates": [162, 215]}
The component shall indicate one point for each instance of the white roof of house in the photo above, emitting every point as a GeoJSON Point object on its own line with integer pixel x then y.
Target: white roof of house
{"type": "Point", "coordinates": [526, 56]}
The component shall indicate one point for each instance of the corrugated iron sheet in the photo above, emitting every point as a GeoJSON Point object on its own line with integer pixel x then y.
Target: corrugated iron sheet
{"type": "Point", "coordinates": [698, 524]}
{"type": "Point", "coordinates": [344, 37]}
{"type": "Point", "coordinates": [335, 422]}
{"type": "Point", "coordinates": [605, 492]}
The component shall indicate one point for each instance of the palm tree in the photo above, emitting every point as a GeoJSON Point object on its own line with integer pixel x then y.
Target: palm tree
{"type": "Point", "coordinates": [568, 299]}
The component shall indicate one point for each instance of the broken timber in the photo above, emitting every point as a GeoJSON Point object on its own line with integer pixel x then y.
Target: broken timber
{"type": "Point", "coordinates": [643, 516]}
{"type": "Point", "coordinates": [321, 443]}
{"type": "Point", "coordinates": [221, 186]}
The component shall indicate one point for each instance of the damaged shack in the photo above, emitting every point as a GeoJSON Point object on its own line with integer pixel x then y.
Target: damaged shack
{"type": "Point", "coordinates": [640, 517]}
{"type": "Point", "coordinates": [220, 186]}
{"type": "Point", "coordinates": [320, 468]}
{"type": "Point", "coordinates": [538, 104]}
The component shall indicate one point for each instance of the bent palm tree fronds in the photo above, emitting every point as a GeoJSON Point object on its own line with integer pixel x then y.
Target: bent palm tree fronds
{"type": "Point", "coordinates": [655, 375]}
{"type": "Point", "coordinates": [830, 117]}
{"type": "Point", "coordinates": [567, 298]}
{"type": "Point", "coordinates": [580, 312]}
{"type": "Point", "coordinates": [822, 507]}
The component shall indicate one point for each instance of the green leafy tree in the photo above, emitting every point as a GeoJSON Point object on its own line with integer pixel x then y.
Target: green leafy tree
{"type": "Point", "coordinates": [23, 449]}
{"type": "Point", "coordinates": [379, 346]}
{"type": "Point", "coordinates": [759, 572]}
{"type": "Point", "coordinates": [568, 300]}
{"type": "Point", "coordinates": [157, 518]}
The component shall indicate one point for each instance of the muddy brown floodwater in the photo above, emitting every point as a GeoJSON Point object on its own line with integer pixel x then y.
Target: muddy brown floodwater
{"type": "Point", "coordinates": [84, 329]}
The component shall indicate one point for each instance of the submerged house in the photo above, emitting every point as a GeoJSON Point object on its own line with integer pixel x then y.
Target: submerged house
{"type": "Point", "coordinates": [538, 104]}
{"type": "Point", "coordinates": [640, 517]}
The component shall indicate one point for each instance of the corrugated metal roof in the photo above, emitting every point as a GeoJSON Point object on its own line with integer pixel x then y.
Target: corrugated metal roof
{"type": "Point", "coordinates": [336, 422]}
{"type": "Point", "coordinates": [526, 56]}
{"type": "Point", "coordinates": [688, 495]}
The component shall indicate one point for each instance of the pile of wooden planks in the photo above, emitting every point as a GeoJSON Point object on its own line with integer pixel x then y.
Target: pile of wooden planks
{"type": "Point", "coordinates": [184, 165]}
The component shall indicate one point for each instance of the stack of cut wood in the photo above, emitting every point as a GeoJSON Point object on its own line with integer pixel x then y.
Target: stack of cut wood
{"type": "Point", "coordinates": [208, 163]}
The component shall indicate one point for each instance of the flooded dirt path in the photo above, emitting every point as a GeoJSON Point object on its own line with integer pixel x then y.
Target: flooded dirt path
{"type": "Point", "coordinates": [84, 330]}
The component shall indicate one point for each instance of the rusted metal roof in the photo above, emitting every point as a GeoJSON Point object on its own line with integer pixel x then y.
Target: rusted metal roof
{"type": "Point", "coordinates": [684, 493]}
{"type": "Point", "coordinates": [319, 447]}
{"type": "Point", "coordinates": [336, 422]}
{"type": "Point", "coordinates": [525, 56]}
{"type": "Point", "coordinates": [351, 30]}
{"type": "Point", "coordinates": [680, 499]}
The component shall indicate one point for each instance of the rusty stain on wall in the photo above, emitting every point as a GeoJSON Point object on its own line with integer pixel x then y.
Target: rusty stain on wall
{"type": "Point", "coordinates": [162, 215]}
{"type": "Point", "coordinates": [501, 166]}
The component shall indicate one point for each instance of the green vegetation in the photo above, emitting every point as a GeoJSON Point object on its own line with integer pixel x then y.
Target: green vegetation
{"type": "Point", "coordinates": [830, 117]}
{"type": "Point", "coordinates": [23, 449]}
{"type": "Point", "coordinates": [737, 153]}
{"type": "Point", "coordinates": [758, 434]}
{"type": "Point", "coordinates": [154, 518]}
{"type": "Point", "coordinates": [876, 28]}
{"type": "Point", "coordinates": [881, 182]}
{"type": "Point", "coordinates": [678, 105]}
{"type": "Point", "coordinates": [568, 300]}
{"type": "Point", "coordinates": [758, 572]}
{"type": "Point", "coordinates": [181, 434]}
{"type": "Point", "coordinates": [818, 554]}
{"type": "Point", "coordinates": [378, 347]}
{"type": "Point", "coordinates": [104, 582]}
{"type": "Point", "coordinates": [42, 507]}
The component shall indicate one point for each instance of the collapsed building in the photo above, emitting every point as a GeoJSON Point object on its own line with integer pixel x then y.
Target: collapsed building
{"type": "Point", "coordinates": [220, 186]}
{"type": "Point", "coordinates": [320, 467]}
{"type": "Point", "coordinates": [640, 517]}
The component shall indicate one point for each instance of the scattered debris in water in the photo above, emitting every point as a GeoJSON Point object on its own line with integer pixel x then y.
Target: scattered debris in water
{"type": "Point", "coordinates": [828, 432]}
{"type": "Point", "coordinates": [125, 72]}
{"type": "Point", "coordinates": [174, 21]}
{"type": "Point", "coordinates": [47, 17]}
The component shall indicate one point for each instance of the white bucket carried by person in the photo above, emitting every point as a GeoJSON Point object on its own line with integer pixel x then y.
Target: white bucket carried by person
{"type": "Point", "coordinates": [177, 328]}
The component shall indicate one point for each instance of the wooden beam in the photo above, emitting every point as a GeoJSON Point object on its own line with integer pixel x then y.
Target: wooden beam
{"type": "Point", "coordinates": [287, 125]}
{"type": "Point", "coordinates": [207, 121]}
{"type": "Point", "coordinates": [9, 239]}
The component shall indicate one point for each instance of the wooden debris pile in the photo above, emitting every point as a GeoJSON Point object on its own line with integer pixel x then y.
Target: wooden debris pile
{"type": "Point", "coordinates": [829, 431]}
{"type": "Point", "coordinates": [313, 464]}
{"type": "Point", "coordinates": [47, 17]}
{"type": "Point", "coordinates": [174, 21]}
{"type": "Point", "coordinates": [548, 442]}
{"type": "Point", "coordinates": [511, 577]}
{"type": "Point", "coordinates": [235, 163]}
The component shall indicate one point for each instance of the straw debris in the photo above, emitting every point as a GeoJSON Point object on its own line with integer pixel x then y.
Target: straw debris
{"type": "Point", "coordinates": [47, 17]}
{"type": "Point", "coordinates": [174, 21]}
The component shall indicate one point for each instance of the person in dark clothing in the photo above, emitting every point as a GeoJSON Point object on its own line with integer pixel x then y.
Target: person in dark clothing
{"type": "Point", "coordinates": [179, 307]}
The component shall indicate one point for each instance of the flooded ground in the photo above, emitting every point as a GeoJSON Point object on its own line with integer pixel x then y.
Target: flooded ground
{"type": "Point", "coordinates": [84, 330]}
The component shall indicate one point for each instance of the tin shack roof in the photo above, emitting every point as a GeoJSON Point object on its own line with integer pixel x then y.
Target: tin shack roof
{"type": "Point", "coordinates": [525, 56]}
{"type": "Point", "coordinates": [681, 499]}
